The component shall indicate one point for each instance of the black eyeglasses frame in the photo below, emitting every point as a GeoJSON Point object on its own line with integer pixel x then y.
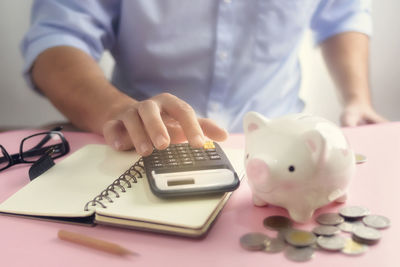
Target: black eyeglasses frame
{"type": "Point", "coordinates": [63, 148]}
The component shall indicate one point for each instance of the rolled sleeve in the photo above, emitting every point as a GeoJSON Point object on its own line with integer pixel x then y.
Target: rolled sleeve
{"type": "Point", "coordinates": [86, 25]}
{"type": "Point", "coordinates": [337, 16]}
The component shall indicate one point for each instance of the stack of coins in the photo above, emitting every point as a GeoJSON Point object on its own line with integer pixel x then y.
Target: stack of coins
{"type": "Point", "coordinates": [299, 245]}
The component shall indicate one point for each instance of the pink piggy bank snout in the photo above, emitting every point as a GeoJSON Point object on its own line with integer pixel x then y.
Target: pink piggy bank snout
{"type": "Point", "coordinates": [257, 171]}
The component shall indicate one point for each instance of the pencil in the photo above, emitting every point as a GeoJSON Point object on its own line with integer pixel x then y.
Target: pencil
{"type": "Point", "coordinates": [93, 243]}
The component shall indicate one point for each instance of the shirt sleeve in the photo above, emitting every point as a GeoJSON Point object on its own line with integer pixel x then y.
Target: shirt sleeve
{"type": "Point", "coordinates": [89, 25]}
{"type": "Point", "coordinates": [336, 16]}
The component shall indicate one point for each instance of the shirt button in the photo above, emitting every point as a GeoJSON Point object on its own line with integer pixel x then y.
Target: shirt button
{"type": "Point", "coordinates": [228, 1]}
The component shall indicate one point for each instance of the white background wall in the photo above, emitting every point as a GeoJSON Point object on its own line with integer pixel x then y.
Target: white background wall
{"type": "Point", "coordinates": [20, 106]}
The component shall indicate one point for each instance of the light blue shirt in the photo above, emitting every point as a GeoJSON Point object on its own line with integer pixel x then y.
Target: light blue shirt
{"type": "Point", "coordinates": [223, 57]}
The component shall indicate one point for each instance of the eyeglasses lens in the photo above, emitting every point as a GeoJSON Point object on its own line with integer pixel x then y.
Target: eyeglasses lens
{"type": "Point", "coordinates": [36, 146]}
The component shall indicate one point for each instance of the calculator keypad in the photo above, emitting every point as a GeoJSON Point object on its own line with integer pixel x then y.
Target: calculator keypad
{"type": "Point", "coordinates": [182, 155]}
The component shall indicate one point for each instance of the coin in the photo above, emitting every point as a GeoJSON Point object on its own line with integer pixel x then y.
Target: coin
{"type": "Point", "coordinates": [274, 245]}
{"type": "Point", "coordinates": [331, 243]}
{"type": "Point", "coordinates": [349, 226]}
{"type": "Point", "coordinates": [299, 254]}
{"type": "Point", "coordinates": [360, 158]}
{"type": "Point", "coordinates": [326, 230]}
{"type": "Point", "coordinates": [366, 235]}
{"type": "Point", "coordinates": [277, 223]}
{"type": "Point", "coordinates": [300, 238]}
{"type": "Point", "coordinates": [351, 247]}
{"type": "Point", "coordinates": [353, 212]}
{"type": "Point", "coordinates": [329, 219]}
{"type": "Point", "coordinates": [376, 221]}
{"type": "Point", "coordinates": [254, 241]}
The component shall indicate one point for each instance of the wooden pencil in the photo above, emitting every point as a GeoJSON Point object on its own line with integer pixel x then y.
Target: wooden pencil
{"type": "Point", "coordinates": [93, 242]}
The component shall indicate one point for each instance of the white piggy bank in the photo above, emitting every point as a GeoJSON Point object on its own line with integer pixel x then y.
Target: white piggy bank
{"type": "Point", "coordinates": [300, 162]}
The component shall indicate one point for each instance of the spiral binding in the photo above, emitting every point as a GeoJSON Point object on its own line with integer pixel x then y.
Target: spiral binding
{"type": "Point", "coordinates": [128, 177]}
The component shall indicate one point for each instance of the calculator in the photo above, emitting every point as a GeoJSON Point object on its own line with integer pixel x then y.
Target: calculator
{"type": "Point", "coordinates": [181, 170]}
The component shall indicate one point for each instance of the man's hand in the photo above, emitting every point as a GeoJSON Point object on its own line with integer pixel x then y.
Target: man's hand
{"type": "Point", "coordinates": [360, 114]}
{"type": "Point", "coordinates": [157, 122]}
{"type": "Point", "coordinates": [76, 85]}
{"type": "Point", "coordinates": [346, 55]}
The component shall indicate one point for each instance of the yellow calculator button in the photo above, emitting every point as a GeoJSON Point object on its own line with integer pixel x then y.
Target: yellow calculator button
{"type": "Point", "coordinates": [209, 145]}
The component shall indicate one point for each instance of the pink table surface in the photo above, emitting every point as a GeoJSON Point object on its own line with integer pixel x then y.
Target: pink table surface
{"type": "Point", "coordinates": [26, 242]}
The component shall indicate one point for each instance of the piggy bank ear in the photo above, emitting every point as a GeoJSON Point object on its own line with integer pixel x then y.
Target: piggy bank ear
{"type": "Point", "coordinates": [253, 121]}
{"type": "Point", "coordinates": [316, 144]}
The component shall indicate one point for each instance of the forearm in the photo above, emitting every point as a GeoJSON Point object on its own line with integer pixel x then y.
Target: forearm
{"type": "Point", "coordinates": [347, 58]}
{"type": "Point", "coordinates": [76, 86]}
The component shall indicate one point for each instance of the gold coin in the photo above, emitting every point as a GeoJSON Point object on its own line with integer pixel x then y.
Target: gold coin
{"type": "Point", "coordinates": [360, 158]}
{"type": "Point", "coordinates": [300, 238]}
{"type": "Point", "coordinates": [351, 247]}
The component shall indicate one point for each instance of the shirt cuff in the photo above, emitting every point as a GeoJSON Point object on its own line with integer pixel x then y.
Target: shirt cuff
{"type": "Point", "coordinates": [34, 48]}
{"type": "Point", "coordinates": [361, 23]}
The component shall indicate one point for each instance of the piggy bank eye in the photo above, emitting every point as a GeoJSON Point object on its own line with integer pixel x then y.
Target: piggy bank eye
{"type": "Point", "coordinates": [247, 156]}
{"type": "Point", "coordinates": [291, 168]}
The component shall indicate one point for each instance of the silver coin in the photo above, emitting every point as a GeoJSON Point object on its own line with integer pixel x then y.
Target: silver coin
{"type": "Point", "coordinates": [366, 235]}
{"type": "Point", "coordinates": [277, 223]}
{"type": "Point", "coordinates": [360, 158]}
{"type": "Point", "coordinates": [353, 212]}
{"type": "Point", "coordinates": [353, 248]}
{"type": "Point", "coordinates": [300, 238]}
{"type": "Point", "coordinates": [376, 221]}
{"type": "Point", "coordinates": [331, 243]}
{"type": "Point", "coordinates": [299, 254]}
{"type": "Point", "coordinates": [329, 219]}
{"type": "Point", "coordinates": [254, 241]}
{"type": "Point", "coordinates": [274, 245]}
{"type": "Point", "coordinates": [349, 226]}
{"type": "Point", "coordinates": [326, 230]}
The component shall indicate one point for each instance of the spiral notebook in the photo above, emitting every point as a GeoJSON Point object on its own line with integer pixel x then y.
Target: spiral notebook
{"type": "Point", "coordinates": [97, 184]}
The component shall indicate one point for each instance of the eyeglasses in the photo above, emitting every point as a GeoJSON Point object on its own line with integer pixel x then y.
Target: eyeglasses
{"type": "Point", "coordinates": [33, 147]}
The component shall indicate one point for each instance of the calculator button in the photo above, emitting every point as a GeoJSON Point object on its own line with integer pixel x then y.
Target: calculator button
{"type": "Point", "coordinates": [200, 158]}
{"type": "Point", "coordinates": [188, 162]}
{"type": "Point", "coordinates": [209, 144]}
{"type": "Point", "coordinates": [158, 165]}
{"type": "Point", "coordinates": [214, 157]}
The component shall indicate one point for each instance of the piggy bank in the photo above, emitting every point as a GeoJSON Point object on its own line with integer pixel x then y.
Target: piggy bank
{"type": "Point", "coordinates": [299, 162]}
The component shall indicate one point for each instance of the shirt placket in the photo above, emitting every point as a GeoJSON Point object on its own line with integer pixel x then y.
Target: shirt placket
{"type": "Point", "coordinates": [222, 59]}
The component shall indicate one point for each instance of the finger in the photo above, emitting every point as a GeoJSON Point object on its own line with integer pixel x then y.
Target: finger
{"type": "Point", "coordinates": [185, 115]}
{"type": "Point", "coordinates": [375, 118]}
{"type": "Point", "coordinates": [212, 130]}
{"type": "Point", "coordinates": [116, 135]}
{"type": "Point", "coordinates": [174, 129]}
{"type": "Point", "coordinates": [137, 132]}
{"type": "Point", "coordinates": [350, 119]}
{"type": "Point", "coordinates": [149, 113]}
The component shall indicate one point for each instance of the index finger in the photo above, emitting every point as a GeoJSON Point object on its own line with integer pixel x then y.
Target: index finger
{"type": "Point", "coordinates": [185, 115]}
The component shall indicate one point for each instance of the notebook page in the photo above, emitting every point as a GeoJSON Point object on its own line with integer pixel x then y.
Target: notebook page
{"type": "Point", "coordinates": [139, 203]}
{"type": "Point", "coordinates": [65, 188]}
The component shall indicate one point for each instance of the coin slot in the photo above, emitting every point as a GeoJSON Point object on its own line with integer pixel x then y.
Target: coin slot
{"type": "Point", "coordinates": [181, 182]}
